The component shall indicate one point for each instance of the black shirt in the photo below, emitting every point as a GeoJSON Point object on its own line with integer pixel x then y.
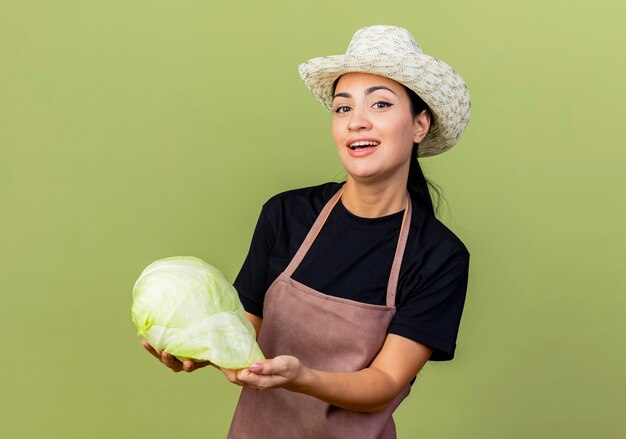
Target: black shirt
{"type": "Point", "coordinates": [351, 258]}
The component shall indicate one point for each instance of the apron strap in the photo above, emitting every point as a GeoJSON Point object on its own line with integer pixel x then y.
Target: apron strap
{"type": "Point", "coordinates": [397, 260]}
{"type": "Point", "coordinates": [310, 237]}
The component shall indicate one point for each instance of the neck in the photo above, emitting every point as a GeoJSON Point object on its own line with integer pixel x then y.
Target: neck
{"type": "Point", "coordinates": [373, 200]}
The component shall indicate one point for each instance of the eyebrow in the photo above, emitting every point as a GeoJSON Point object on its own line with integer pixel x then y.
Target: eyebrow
{"type": "Point", "coordinates": [369, 91]}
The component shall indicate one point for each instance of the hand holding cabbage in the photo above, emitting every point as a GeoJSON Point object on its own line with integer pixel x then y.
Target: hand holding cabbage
{"type": "Point", "coordinates": [186, 307]}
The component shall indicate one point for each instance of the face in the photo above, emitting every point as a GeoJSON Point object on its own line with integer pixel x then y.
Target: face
{"type": "Point", "coordinates": [373, 127]}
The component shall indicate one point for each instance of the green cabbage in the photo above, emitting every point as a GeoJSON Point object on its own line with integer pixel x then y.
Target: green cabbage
{"type": "Point", "coordinates": [186, 307]}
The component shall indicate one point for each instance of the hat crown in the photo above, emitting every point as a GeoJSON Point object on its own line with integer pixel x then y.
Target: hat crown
{"type": "Point", "coordinates": [383, 40]}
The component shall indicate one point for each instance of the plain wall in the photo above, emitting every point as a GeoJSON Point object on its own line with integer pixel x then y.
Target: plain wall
{"type": "Point", "coordinates": [136, 130]}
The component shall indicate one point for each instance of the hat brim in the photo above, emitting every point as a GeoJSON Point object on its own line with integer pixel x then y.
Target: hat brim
{"type": "Point", "coordinates": [433, 80]}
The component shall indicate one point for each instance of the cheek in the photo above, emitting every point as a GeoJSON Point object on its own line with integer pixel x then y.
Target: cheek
{"type": "Point", "coordinates": [403, 139]}
{"type": "Point", "coordinates": [407, 131]}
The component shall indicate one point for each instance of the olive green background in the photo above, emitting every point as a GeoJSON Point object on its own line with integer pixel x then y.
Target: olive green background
{"type": "Point", "coordinates": [136, 130]}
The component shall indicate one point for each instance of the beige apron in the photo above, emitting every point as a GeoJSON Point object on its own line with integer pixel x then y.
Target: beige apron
{"type": "Point", "coordinates": [325, 333]}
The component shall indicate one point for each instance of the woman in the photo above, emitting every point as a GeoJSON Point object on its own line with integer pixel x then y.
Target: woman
{"type": "Point", "coordinates": [353, 286]}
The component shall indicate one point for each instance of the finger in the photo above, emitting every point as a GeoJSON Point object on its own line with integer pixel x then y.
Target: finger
{"type": "Point", "coordinates": [171, 362]}
{"type": "Point", "coordinates": [256, 381]}
{"type": "Point", "coordinates": [231, 375]}
{"type": "Point", "coordinates": [257, 367]}
{"type": "Point", "coordinates": [150, 349]}
{"type": "Point", "coordinates": [191, 365]}
{"type": "Point", "coordinates": [248, 378]}
{"type": "Point", "coordinates": [267, 367]}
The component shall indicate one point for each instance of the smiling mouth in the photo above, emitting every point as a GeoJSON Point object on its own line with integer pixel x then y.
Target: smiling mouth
{"type": "Point", "coordinates": [362, 145]}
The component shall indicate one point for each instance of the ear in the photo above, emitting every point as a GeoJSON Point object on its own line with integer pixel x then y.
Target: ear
{"type": "Point", "coordinates": [421, 124]}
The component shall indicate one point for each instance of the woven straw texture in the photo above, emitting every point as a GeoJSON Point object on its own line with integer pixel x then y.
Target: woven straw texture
{"type": "Point", "coordinates": [392, 52]}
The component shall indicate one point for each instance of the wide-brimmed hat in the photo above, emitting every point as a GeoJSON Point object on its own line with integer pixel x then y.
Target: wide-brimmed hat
{"type": "Point", "coordinates": [392, 52]}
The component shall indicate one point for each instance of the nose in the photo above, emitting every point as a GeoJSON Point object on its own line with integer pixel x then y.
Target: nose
{"type": "Point", "coordinates": [359, 120]}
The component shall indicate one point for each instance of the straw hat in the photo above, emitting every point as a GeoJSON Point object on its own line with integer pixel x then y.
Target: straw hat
{"type": "Point", "coordinates": [392, 52]}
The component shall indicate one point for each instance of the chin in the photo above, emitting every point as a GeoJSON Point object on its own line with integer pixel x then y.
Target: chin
{"type": "Point", "coordinates": [361, 173]}
{"type": "Point", "coordinates": [369, 174]}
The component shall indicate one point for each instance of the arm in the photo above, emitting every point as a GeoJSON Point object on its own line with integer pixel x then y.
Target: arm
{"type": "Point", "coordinates": [369, 390]}
{"type": "Point", "coordinates": [256, 322]}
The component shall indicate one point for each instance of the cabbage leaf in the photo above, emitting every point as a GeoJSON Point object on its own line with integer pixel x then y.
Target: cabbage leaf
{"type": "Point", "coordinates": [186, 307]}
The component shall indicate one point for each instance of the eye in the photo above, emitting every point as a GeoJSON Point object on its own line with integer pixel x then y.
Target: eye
{"type": "Point", "coordinates": [342, 109]}
{"type": "Point", "coordinates": [381, 104]}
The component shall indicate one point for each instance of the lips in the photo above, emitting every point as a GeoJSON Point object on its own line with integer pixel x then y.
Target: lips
{"type": "Point", "coordinates": [362, 144]}
{"type": "Point", "coordinates": [361, 147]}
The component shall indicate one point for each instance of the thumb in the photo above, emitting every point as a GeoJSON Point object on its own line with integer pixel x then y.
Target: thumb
{"type": "Point", "coordinates": [260, 367]}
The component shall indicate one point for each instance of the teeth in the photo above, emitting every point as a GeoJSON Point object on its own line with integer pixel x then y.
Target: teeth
{"type": "Point", "coordinates": [363, 143]}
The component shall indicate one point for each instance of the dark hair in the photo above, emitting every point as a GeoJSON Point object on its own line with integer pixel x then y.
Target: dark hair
{"type": "Point", "coordinates": [417, 184]}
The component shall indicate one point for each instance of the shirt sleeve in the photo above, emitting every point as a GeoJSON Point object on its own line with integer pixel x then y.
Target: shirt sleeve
{"type": "Point", "coordinates": [251, 282]}
{"type": "Point", "coordinates": [431, 314]}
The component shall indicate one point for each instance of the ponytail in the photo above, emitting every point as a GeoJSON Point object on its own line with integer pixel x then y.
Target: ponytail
{"type": "Point", "coordinates": [417, 185]}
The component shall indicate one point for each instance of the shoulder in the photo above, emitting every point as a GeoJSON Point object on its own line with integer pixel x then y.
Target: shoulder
{"type": "Point", "coordinates": [432, 286]}
{"type": "Point", "coordinates": [301, 204]}
{"type": "Point", "coordinates": [432, 239]}
{"type": "Point", "coordinates": [311, 194]}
